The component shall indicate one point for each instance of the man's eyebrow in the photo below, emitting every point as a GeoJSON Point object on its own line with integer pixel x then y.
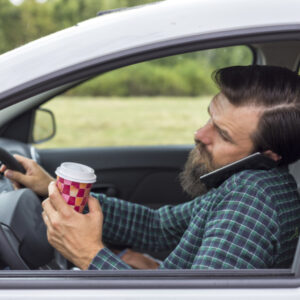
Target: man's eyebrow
{"type": "Point", "coordinates": [222, 132]}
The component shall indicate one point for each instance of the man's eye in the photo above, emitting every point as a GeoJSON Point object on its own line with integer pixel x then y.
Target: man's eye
{"type": "Point", "coordinates": [223, 136]}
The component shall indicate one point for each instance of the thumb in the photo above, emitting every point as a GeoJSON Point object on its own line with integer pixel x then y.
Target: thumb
{"type": "Point", "coordinates": [24, 161]}
{"type": "Point", "coordinates": [94, 205]}
{"type": "Point", "coordinates": [16, 176]}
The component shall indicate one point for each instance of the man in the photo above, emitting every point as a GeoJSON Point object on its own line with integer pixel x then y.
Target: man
{"type": "Point", "coordinates": [250, 220]}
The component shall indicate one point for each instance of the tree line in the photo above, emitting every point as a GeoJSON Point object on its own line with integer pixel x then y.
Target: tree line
{"type": "Point", "coordinates": [180, 75]}
{"type": "Point", "coordinates": [20, 24]}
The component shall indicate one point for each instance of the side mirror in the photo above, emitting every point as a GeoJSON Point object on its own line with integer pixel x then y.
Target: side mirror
{"type": "Point", "coordinates": [44, 127]}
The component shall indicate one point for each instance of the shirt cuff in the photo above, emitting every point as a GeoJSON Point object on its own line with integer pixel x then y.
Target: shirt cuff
{"type": "Point", "coordinates": [107, 260]}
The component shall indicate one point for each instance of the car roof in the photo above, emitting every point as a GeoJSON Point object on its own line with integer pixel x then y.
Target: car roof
{"type": "Point", "coordinates": [138, 27]}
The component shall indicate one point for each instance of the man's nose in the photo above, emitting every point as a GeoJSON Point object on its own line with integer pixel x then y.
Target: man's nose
{"type": "Point", "coordinates": [204, 134]}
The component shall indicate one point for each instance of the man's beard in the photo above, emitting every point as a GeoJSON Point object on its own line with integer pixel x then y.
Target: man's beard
{"type": "Point", "coordinates": [199, 163]}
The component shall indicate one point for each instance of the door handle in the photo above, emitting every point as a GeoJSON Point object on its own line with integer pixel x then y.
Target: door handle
{"type": "Point", "coordinates": [108, 189]}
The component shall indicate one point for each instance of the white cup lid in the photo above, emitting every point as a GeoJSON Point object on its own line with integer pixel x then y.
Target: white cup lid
{"type": "Point", "coordinates": [76, 172]}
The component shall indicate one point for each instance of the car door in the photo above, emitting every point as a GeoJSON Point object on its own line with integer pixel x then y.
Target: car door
{"type": "Point", "coordinates": [153, 164]}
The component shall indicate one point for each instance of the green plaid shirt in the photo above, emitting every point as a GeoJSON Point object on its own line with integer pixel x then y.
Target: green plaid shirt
{"type": "Point", "coordinates": [250, 221]}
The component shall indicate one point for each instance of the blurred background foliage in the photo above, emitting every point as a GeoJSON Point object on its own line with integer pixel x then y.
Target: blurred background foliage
{"type": "Point", "coordinates": [31, 19]}
{"type": "Point", "coordinates": [181, 75]}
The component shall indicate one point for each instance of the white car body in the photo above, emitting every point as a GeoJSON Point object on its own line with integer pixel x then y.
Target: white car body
{"type": "Point", "coordinates": [124, 37]}
{"type": "Point", "coordinates": [146, 27]}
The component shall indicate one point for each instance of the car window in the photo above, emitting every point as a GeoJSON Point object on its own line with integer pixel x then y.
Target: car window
{"type": "Point", "coordinates": [159, 102]}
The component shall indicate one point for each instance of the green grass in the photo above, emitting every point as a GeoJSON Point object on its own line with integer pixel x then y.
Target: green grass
{"type": "Point", "coordinates": [83, 122]}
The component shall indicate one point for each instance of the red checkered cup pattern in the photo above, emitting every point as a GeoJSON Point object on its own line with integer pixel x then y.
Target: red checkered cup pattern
{"type": "Point", "coordinates": [75, 194]}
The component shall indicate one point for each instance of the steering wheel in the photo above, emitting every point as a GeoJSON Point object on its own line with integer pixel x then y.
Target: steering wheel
{"type": "Point", "coordinates": [23, 236]}
{"type": "Point", "coordinates": [10, 162]}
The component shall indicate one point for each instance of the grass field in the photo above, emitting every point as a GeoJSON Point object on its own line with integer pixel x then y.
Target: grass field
{"type": "Point", "coordinates": [83, 122]}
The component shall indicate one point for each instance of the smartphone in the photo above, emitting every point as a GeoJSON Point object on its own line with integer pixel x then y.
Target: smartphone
{"type": "Point", "coordinates": [256, 161]}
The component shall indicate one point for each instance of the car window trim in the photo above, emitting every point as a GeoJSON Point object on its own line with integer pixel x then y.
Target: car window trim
{"type": "Point", "coordinates": [139, 54]}
{"type": "Point", "coordinates": [139, 279]}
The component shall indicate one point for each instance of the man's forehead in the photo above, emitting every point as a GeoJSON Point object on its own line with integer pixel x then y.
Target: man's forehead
{"type": "Point", "coordinates": [217, 101]}
{"type": "Point", "coordinates": [238, 122]}
{"type": "Point", "coordinates": [220, 101]}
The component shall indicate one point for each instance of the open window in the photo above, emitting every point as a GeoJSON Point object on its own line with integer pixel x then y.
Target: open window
{"type": "Point", "coordinates": [157, 102]}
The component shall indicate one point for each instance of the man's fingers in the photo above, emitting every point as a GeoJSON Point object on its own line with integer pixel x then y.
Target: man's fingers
{"type": "Point", "coordinates": [49, 210]}
{"type": "Point", "coordinates": [16, 176]}
{"type": "Point", "coordinates": [49, 227]}
{"type": "Point", "coordinates": [24, 161]}
{"type": "Point", "coordinates": [93, 204]}
{"type": "Point", "coordinates": [57, 200]}
{"type": "Point", "coordinates": [2, 168]}
{"type": "Point", "coordinates": [46, 219]}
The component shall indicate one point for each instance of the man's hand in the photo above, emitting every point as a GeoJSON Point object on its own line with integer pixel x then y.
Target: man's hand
{"type": "Point", "coordinates": [139, 261]}
{"type": "Point", "coordinates": [36, 178]}
{"type": "Point", "coordinates": [78, 237]}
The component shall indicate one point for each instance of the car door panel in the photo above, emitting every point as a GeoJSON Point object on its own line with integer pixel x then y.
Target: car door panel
{"type": "Point", "coordinates": [145, 175]}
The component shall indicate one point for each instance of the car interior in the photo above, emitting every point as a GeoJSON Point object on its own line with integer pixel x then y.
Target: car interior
{"type": "Point", "coordinates": [142, 174]}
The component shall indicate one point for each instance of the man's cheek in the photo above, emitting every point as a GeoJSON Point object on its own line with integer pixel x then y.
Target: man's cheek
{"type": "Point", "coordinates": [221, 159]}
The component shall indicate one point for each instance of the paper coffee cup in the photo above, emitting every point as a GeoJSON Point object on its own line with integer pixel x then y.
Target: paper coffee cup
{"type": "Point", "coordinates": [74, 182]}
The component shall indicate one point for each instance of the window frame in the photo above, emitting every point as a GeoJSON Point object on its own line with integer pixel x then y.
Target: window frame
{"type": "Point", "coordinates": [106, 63]}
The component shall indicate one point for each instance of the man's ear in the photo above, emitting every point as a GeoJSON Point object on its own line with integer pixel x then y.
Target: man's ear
{"type": "Point", "coordinates": [272, 155]}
